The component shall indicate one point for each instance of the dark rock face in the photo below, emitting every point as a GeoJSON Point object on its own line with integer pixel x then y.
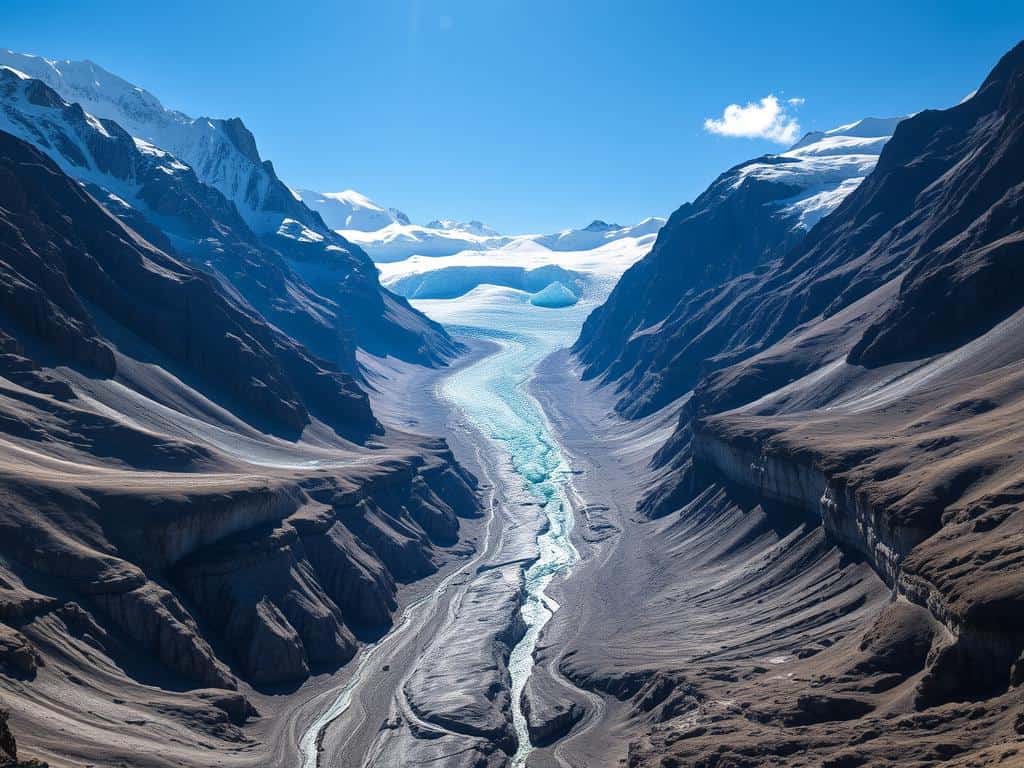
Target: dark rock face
{"type": "Point", "coordinates": [554, 721]}
{"type": "Point", "coordinates": [723, 233]}
{"type": "Point", "coordinates": [238, 708]}
{"type": "Point", "coordinates": [969, 275]}
{"type": "Point", "coordinates": [18, 658]}
{"type": "Point", "coordinates": [899, 640]}
{"type": "Point", "coordinates": [656, 333]}
{"type": "Point", "coordinates": [8, 746]}
{"type": "Point", "coordinates": [63, 259]}
{"type": "Point", "coordinates": [155, 619]}
{"type": "Point", "coordinates": [823, 709]}
{"type": "Point", "coordinates": [265, 596]}
{"type": "Point", "coordinates": [273, 650]}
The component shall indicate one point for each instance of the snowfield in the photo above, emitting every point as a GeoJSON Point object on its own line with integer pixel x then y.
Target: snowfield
{"type": "Point", "coordinates": [350, 210]}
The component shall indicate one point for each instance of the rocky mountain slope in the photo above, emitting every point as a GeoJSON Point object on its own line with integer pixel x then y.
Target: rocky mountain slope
{"type": "Point", "coordinates": [222, 153]}
{"type": "Point", "coordinates": [190, 500]}
{"type": "Point", "coordinates": [861, 390]}
{"type": "Point", "coordinates": [641, 337]}
{"type": "Point", "coordinates": [198, 188]}
{"type": "Point", "coordinates": [9, 747]}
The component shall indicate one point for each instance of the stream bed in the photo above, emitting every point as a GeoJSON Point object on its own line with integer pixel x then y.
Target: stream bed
{"type": "Point", "coordinates": [532, 519]}
{"type": "Point", "coordinates": [493, 394]}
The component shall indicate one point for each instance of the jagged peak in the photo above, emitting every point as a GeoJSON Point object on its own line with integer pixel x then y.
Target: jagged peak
{"type": "Point", "coordinates": [242, 138]}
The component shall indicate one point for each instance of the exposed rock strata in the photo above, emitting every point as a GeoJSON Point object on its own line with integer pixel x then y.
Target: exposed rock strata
{"type": "Point", "coordinates": [548, 717]}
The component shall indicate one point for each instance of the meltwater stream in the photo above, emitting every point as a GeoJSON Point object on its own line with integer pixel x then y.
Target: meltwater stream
{"type": "Point", "coordinates": [533, 479]}
{"type": "Point", "coordinates": [494, 396]}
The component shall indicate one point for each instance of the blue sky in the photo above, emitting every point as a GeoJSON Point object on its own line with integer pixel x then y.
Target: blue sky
{"type": "Point", "coordinates": [531, 116]}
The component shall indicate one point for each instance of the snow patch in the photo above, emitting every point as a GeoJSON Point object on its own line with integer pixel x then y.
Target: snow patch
{"type": "Point", "coordinates": [296, 230]}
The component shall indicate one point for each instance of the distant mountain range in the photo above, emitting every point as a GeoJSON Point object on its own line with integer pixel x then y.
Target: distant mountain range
{"type": "Point", "coordinates": [387, 235]}
{"type": "Point", "coordinates": [398, 241]}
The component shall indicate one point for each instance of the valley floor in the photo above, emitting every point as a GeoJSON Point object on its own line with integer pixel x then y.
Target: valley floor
{"type": "Point", "coordinates": [728, 633]}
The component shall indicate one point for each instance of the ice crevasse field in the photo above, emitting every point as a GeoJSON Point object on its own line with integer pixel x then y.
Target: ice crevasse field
{"type": "Point", "coordinates": [493, 394]}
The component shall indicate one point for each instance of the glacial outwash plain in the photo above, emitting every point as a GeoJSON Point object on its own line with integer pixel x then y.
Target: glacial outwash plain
{"type": "Point", "coordinates": [288, 480]}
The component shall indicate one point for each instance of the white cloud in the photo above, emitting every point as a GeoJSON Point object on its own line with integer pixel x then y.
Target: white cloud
{"type": "Point", "coordinates": [796, 102]}
{"type": "Point", "coordinates": [765, 119]}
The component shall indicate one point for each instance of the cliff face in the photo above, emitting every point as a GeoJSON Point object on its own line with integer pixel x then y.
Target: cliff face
{"type": "Point", "coordinates": [190, 502]}
{"type": "Point", "coordinates": [891, 411]}
{"type": "Point", "coordinates": [918, 472]}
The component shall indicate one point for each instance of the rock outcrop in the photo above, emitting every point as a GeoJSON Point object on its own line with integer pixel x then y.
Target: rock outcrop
{"type": "Point", "coordinates": [548, 719]}
{"type": "Point", "coordinates": [9, 747]}
{"type": "Point", "coordinates": [18, 657]}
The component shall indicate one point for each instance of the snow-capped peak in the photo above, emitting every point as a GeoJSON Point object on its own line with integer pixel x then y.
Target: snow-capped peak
{"type": "Point", "coordinates": [222, 153]}
{"type": "Point", "coordinates": [822, 168]}
{"type": "Point", "coordinates": [863, 134]}
{"type": "Point", "coordinates": [597, 225]}
{"type": "Point", "coordinates": [351, 197]}
{"type": "Point", "coordinates": [16, 72]}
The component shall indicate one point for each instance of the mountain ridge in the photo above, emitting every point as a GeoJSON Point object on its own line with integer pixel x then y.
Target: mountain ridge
{"type": "Point", "coordinates": [336, 302]}
{"type": "Point", "coordinates": [751, 214]}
